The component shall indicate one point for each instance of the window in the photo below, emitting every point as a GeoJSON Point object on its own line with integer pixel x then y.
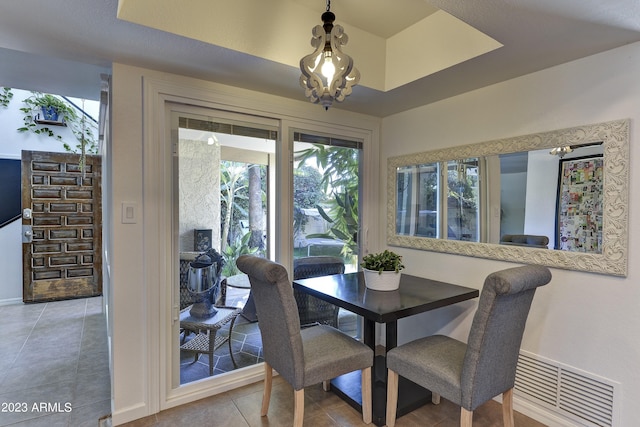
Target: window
{"type": "Point", "coordinates": [440, 200]}
{"type": "Point", "coordinates": [326, 194]}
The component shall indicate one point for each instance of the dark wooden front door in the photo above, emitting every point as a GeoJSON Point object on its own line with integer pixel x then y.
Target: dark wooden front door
{"type": "Point", "coordinates": [63, 260]}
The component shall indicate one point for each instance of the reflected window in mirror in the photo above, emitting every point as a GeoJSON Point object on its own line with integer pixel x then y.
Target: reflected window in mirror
{"type": "Point", "coordinates": [511, 187]}
{"type": "Point", "coordinates": [440, 200]}
{"type": "Point", "coordinates": [463, 200]}
{"type": "Point", "coordinates": [418, 202]}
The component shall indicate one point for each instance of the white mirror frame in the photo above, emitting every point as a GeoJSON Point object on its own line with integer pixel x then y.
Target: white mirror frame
{"type": "Point", "coordinates": [612, 260]}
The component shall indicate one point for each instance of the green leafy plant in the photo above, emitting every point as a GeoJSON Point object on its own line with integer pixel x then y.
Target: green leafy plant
{"type": "Point", "coordinates": [383, 261]}
{"type": "Point", "coordinates": [36, 104]}
{"type": "Point", "coordinates": [340, 169]}
{"type": "Point", "coordinates": [5, 96]}
{"type": "Point", "coordinates": [232, 252]}
{"type": "Point", "coordinates": [84, 130]}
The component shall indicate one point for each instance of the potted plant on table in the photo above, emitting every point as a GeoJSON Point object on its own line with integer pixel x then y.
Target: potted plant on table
{"type": "Point", "coordinates": [382, 270]}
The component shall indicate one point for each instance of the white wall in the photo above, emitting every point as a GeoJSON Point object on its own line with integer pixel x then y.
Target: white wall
{"type": "Point", "coordinates": [541, 194]}
{"type": "Point", "coordinates": [140, 270]}
{"type": "Point", "coordinates": [586, 321]}
{"type": "Point", "coordinates": [512, 207]}
{"type": "Point", "coordinates": [12, 143]}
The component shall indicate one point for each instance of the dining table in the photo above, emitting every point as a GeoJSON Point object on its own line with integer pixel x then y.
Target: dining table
{"type": "Point", "coordinates": [414, 296]}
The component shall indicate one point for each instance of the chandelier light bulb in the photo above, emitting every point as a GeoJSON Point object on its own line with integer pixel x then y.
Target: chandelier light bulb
{"type": "Point", "coordinates": [328, 69]}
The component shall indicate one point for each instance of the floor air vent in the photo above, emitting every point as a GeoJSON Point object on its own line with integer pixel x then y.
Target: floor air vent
{"type": "Point", "coordinates": [573, 393]}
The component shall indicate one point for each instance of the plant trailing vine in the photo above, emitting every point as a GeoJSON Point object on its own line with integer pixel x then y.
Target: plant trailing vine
{"type": "Point", "coordinates": [5, 96]}
{"type": "Point", "coordinates": [35, 104]}
{"type": "Point", "coordinates": [84, 130]}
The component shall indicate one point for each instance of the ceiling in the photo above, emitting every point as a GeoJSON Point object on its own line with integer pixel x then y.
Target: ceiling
{"type": "Point", "coordinates": [63, 46]}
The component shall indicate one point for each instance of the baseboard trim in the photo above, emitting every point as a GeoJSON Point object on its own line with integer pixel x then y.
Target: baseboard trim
{"type": "Point", "coordinates": [10, 301]}
{"type": "Point", "coordinates": [129, 414]}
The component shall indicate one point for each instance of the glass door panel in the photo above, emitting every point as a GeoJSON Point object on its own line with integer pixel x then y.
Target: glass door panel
{"type": "Point", "coordinates": [222, 170]}
{"type": "Point", "coordinates": [326, 206]}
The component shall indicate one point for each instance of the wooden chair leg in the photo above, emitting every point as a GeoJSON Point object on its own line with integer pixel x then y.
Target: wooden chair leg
{"type": "Point", "coordinates": [392, 397]}
{"type": "Point", "coordinates": [367, 413]}
{"type": "Point", "coordinates": [507, 408]}
{"type": "Point", "coordinates": [266, 394]}
{"type": "Point", "coordinates": [466, 418]}
{"type": "Point", "coordinates": [435, 398]}
{"type": "Point", "coordinates": [298, 408]}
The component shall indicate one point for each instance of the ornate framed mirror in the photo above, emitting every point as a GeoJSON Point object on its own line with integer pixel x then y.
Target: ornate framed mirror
{"type": "Point", "coordinates": [454, 200]}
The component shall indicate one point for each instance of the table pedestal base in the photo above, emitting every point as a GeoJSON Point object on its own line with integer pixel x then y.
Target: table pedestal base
{"type": "Point", "coordinates": [411, 396]}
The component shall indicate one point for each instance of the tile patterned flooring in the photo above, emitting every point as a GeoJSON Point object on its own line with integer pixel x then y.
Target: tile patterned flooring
{"type": "Point", "coordinates": [39, 364]}
{"type": "Point", "coordinates": [246, 345]}
{"type": "Point", "coordinates": [241, 408]}
{"type": "Point", "coordinates": [54, 356]}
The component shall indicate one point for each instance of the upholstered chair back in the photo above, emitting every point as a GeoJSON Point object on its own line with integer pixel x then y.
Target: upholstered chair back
{"type": "Point", "coordinates": [278, 316]}
{"type": "Point", "coordinates": [496, 333]}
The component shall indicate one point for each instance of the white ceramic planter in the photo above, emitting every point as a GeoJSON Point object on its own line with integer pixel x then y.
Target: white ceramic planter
{"type": "Point", "coordinates": [385, 281]}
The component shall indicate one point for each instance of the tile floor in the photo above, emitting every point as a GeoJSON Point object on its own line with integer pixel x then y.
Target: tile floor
{"type": "Point", "coordinates": [241, 408]}
{"type": "Point", "coordinates": [41, 365]}
{"type": "Point", "coordinates": [54, 356]}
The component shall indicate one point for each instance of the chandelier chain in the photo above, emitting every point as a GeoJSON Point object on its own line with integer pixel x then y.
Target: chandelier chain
{"type": "Point", "coordinates": [328, 5]}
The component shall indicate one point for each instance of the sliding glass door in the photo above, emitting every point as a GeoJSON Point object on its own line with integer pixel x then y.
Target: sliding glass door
{"type": "Point", "coordinates": [223, 191]}
{"type": "Point", "coordinates": [326, 218]}
{"type": "Point", "coordinates": [245, 184]}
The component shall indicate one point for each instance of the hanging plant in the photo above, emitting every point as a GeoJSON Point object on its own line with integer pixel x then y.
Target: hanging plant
{"type": "Point", "coordinates": [54, 112]}
{"type": "Point", "coordinates": [5, 96]}
{"type": "Point", "coordinates": [43, 112]}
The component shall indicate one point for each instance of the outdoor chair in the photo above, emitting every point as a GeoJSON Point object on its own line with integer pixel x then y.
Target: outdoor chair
{"type": "Point", "coordinates": [311, 309]}
{"type": "Point", "coordinates": [471, 374]}
{"type": "Point", "coordinates": [302, 357]}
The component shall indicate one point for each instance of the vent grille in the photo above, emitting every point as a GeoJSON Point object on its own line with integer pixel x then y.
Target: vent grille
{"type": "Point", "coordinates": [575, 394]}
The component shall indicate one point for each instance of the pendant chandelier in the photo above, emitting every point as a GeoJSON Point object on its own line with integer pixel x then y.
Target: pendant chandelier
{"type": "Point", "coordinates": [328, 73]}
{"type": "Point", "coordinates": [561, 151]}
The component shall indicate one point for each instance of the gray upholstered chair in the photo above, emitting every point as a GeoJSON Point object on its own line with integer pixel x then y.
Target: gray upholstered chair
{"type": "Point", "coordinates": [311, 309]}
{"type": "Point", "coordinates": [471, 374]}
{"type": "Point", "coordinates": [302, 357]}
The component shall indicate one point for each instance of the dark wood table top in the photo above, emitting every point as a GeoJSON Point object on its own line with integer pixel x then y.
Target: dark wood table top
{"type": "Point", "coordinates": [415, 295]}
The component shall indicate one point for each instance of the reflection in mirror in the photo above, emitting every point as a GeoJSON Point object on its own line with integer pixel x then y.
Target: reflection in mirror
{"type": "Point", "coordinates": [529, 197]}
{"type": "Point", "coordinates": [429, 206]}
{"type": "Point", "coordinates": [565, 190]}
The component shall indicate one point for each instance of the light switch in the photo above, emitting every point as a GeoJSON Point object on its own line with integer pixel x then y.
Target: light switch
{"type": "Point", "coordinates": [129, 212]}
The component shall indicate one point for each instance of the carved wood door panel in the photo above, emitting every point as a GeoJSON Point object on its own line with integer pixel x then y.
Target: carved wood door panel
{"type": "Point", "coordinates": [61, 253]}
